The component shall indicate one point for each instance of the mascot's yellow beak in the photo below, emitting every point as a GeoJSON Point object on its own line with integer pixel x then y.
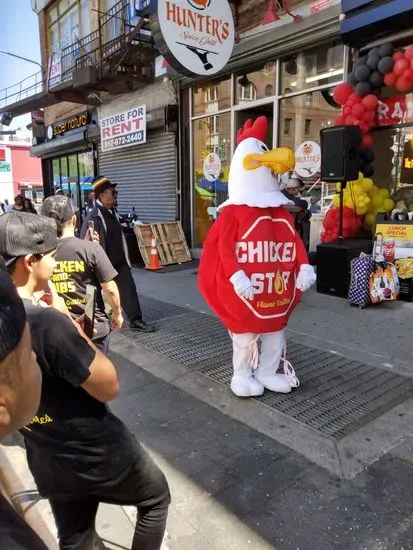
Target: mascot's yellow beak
{"type": "Point", "coordinates": [278, 160]}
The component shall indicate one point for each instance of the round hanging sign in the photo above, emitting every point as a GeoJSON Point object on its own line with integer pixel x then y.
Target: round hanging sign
{"type": "Point", "coordinates": [212, 167]}
{"type": "Point", "coordinates": [307, 159]}
{"type": "Point", "coordinates": [196, 37]}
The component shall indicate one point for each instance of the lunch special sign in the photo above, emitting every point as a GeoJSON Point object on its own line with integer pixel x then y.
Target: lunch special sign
{"type": "Point", "coordinates": [196, 37]}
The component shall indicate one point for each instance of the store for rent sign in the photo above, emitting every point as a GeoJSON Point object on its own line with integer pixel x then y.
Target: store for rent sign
{"type": "Point", "coordinates": [196, 37]}
{"type": "Point", "coordinates": [123, 129]}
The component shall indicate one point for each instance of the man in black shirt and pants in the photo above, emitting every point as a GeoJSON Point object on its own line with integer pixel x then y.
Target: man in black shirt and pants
{"type": "Point", "coordinates": [107, 225]}
{"type": "Point", "coordinates": [80, 454]}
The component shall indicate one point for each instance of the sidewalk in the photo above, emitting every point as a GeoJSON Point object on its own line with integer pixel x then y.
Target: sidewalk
{"type": "Point", "coordinates": [258, 474]}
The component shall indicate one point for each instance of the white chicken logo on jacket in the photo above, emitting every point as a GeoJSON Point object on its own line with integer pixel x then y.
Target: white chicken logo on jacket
{"type": "Point", "coordinates": [254, 266]}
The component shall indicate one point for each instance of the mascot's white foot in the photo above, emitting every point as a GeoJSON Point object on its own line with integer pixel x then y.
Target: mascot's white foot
{"type": "Point", "coordinates": [275, 382]}
{"type": "Point", "coordinates": [243, 386]}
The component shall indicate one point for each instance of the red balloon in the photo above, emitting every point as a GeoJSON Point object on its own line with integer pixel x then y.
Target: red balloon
{"type": "Point", "coordinates": [339, 121]}
{"type": "Point", "coordinates": [358, 110]}
{"type": "Point", "coordinates": [342, 92]}
{"type": "Point", "coordinates": [364, 127]}
{"type": "Point", "coordinates": [403, 84]}
{"type": "Point", "coordinates": [367, 142]}
{"type": "Point", "coordinates": [370, 101]}
{"type": "Point", "coordinates": [369, 116]}
{"type": "Point", "coordinates": [354, 98]}
{"type": "Point", "coordinates": [346, 111]}
{"type": "Point", "coordinates": [350, 120]}
{"type": "Point", "coordinates": [390, 79]}
{"type": "Point", "coordinates": [408, 54]}
{"type": "Point", "coordinates": [398, 55]}
{"type": "Point", "coordinates": [400, 66]}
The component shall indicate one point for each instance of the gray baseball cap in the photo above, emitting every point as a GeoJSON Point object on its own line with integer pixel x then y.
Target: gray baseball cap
{"type": "Point", "coordinates": [58, 207]}
{"type": "Point", "coordinates": [23, 233]}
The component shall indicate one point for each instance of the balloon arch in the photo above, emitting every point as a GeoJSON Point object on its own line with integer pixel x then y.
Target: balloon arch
{"type": "Point", "coordinates": [359, 98]}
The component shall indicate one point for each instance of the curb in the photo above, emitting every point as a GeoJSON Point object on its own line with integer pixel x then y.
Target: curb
{"type": "Point", "coordinates": [22, 495]}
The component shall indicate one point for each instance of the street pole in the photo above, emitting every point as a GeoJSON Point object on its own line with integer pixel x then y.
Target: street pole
{"type": "Point", "coordinates": [22, 58]}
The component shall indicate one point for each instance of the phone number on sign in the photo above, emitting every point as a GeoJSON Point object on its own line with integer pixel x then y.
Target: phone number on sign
{"type": "Point", "coordinates": [130, 139]}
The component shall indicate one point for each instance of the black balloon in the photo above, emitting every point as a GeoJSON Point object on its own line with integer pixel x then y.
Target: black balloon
{"type": "Point", "coordinates": [362, 73]}
{"type": "Point", "coordinates": [368, 156]}
{"type": "Point", "coordinates": [376, 79]}
{"type": "Point", "coordinates": [367, 170]}
{"type": "Point", "coordinates": [386, 50]}
{"type": "Point", "coordinates": [376, 92]}
{"type": "Point", "coordinates": [363, 89]}
{"type": "Point", "coordinates": [373, 62]}
{"type": "Point", "coordinates": [361, 61]}
{"type": "Point", "coordinates": [386, 65]}
{"type": "Point", "coordinates": [373, 52]}
{"type": "Point", "coordinates": [351, 79]}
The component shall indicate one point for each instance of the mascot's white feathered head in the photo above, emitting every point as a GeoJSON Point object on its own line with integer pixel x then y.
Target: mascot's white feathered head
{"type": "Point", "coordinates": [251, 179]}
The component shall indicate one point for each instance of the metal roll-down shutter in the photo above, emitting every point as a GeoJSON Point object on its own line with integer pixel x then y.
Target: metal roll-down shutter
{"type": "Point", "coordinates": [146, 177]}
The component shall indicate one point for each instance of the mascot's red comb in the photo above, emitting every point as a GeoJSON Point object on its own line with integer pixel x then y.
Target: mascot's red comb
{"type": "Point", "coordinates": [257, 130]}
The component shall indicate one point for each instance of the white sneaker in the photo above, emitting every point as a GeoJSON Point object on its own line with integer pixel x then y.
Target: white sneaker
{"type": "Point", "coordinates": [246, 387]}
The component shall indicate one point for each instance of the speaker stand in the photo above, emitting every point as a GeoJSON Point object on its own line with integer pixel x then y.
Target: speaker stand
{"type": "Point", "coordinates": [341, 213]}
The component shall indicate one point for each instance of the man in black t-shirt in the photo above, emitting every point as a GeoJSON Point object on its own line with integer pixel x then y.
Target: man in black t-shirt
{"type": "Point", "coordinates": [79, 263]}
{"type": "Point", "coordinates": [107, 224]}
{"type": "Point", "coordinates": [20, 385]}
{"type": "Point", "coordinates": [79, 453]}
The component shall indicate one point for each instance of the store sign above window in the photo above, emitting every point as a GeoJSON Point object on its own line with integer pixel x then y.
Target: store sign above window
{"type": "Point", "coordinates": [196, 37]}
{"type": "Point", "coordinates": [60, 128]}
{"type": "Point", "coordinates": [394, 110]}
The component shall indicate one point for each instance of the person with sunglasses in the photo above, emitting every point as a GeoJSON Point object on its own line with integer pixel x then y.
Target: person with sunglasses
{"type": "Point", "coordinates": [108, 226]}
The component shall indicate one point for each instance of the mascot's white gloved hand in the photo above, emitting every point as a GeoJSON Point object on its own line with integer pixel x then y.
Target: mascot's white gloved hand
{"type": "Point", "coordinates": [306, 278]}
{"type": "Point", "coordinates": [242, 285]}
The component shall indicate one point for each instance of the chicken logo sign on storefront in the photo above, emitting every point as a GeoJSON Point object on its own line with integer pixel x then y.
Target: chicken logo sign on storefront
{"type": "Point", "coordinates": [123, 129]}
{"type": "Point", "coordinates": [196, 37]}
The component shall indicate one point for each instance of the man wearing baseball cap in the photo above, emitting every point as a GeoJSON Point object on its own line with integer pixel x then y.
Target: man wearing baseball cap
{"type": "Point", "coordinates": [20, 385]}
{"type": "Point", "coordinates": [79, 453]}
{"type": "Point", "coordinates": [80, 263]}
{"type": "Point", "coordinates": [107, 224]}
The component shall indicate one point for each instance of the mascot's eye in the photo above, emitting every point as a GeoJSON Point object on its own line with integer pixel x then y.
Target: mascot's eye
{"type": "Point", "coordinates": [262, 147]}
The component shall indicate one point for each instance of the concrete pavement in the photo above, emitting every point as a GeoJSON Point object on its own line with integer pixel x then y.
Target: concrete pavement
{"type": "Point", "coordinates": [233, 486]}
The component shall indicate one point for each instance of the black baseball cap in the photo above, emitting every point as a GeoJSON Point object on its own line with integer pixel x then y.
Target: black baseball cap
{"type": "Point", "coordinates": [12, 314]}
{"type": "Point", "coordinates": [23, 233]}
{"type": "Point", "coordinates": [58, 207]}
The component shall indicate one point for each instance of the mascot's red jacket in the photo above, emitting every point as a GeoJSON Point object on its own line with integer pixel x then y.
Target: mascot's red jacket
{"type": "Point", "coordinates": [256, 234]}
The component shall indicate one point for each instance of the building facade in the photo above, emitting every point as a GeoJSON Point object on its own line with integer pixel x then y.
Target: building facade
{"type": "Point", "coordinates": [285, 67]}
{"type": "Point", "coordinates": [19, 172]}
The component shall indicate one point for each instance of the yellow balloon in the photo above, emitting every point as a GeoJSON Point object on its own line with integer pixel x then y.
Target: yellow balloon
{"type": "Point", "coordinates": [367, 184]}
{"type": "Point", "coordinates": [388, 205]}
{"type": "Point", "coordinates": [377, 200]}
{"type": "Point", "coordinates": [384, 193]}
{"type": "Point", "coordinates": [369, 220]}
{"type": "Point", "coordinates": [336, 200]}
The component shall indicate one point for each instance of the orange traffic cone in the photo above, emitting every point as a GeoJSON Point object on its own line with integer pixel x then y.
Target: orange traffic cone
{"type": "Point", "coordinates": [154, 263]}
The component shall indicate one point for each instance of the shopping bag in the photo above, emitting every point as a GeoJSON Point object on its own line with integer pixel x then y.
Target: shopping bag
{"type": "Point", "coordinates": [361, 269]}
{"type": "Point", "coordinates": [384, 285]}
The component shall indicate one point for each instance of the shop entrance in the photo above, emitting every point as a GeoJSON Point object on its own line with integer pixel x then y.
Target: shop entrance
{"type": "Point", "coordinates": [267, 110]}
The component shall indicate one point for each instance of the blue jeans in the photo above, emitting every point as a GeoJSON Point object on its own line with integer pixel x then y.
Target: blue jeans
{"type": "Point", "coordinates": [103, 344]}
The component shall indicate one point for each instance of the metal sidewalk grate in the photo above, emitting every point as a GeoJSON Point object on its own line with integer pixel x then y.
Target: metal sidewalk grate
{"type": "Point", "coordinates": [336, 395]}
{"type": "Point", "coordinates": [154, 310]}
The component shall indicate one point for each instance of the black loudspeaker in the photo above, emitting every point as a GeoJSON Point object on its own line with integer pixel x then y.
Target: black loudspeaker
{"type": "Point", "coordinates": [340, 153]}
{"type": "Point", "coordinates": [333, 265]}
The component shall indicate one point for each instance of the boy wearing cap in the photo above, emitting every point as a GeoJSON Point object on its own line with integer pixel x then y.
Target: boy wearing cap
{"type": "Point", "coordinates": [79, 263]}
{"type": "Point", "coordinates": [107, 225]}
{"type": "Point", "coordinates": [79, 453]}
{"type": "Point", "coordinates": [20, 384]}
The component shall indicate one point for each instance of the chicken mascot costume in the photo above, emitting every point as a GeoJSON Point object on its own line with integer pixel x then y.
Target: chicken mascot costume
{"type": "Point", "coordinates": [254, 266]}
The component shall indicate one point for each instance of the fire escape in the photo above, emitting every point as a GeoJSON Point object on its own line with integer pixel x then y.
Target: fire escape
{"type": "Point", "coordinates": [117, 57]}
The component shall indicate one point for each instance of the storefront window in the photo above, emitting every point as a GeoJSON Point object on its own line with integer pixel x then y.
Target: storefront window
{"type": "Point", "coordinates": [256, 85]}
{"type": "Point", "coordinates": [211, 135]}
{"type": "Point", "coordinates": [73, 174]}
{"type": "Point", "coordinates": [311, 68]}
{"type": "Point", "coordinates": [210, 98]}
{"type": "Point", "coordinates": [301, 121]}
